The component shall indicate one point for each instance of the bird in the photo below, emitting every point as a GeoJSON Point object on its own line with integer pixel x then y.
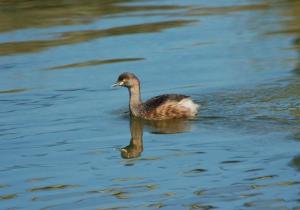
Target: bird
{"type": "Point", "coordinates": [162, 107]}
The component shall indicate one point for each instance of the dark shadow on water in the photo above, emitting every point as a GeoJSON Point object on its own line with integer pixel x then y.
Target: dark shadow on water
{"type": "Point", "coordinates": [94, 63]}
{"type": "Point", "coordinates": [135, 147]}
{"type": "Point", "coordinates": [296, 162]}
{"type": "Point", "coordinates": [17, 15]}
{"type": "Point", "coordinates": [12, 91]}
{"type": "Point", "coordinates": [74, 37]}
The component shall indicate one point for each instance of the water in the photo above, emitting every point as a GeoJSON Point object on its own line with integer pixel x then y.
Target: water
{"type": "Point", "coordinates": [67, 141]}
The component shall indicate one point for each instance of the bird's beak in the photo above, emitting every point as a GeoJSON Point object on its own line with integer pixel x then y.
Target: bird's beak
{"type": "Point", "coordinates": [118, 84]}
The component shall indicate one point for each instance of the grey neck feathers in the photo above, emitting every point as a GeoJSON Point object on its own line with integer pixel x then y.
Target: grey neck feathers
{"type": "Point", "coordinates": [135, 99]}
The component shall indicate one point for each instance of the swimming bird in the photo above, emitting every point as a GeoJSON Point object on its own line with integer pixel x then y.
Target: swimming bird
{"type": "Point", "coordinates": [162, 107]}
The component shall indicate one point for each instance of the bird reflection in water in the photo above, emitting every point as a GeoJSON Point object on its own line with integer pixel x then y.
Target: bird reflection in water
{"type": "Point", "coordinates": [135, 147]}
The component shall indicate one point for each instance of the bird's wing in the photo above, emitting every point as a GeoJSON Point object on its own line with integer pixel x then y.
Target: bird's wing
{"type": "Point", "coordinates": [156, 101]}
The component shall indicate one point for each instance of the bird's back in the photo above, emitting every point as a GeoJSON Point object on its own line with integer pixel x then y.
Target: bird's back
{"type": "Point", "coordinates": [169, 106]}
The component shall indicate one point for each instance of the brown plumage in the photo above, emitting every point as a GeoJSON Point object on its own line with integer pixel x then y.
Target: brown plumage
{"type": "Point", "coordinates": [163, 107]}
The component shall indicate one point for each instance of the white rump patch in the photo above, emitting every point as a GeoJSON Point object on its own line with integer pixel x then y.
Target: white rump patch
{"type": "Point", "coordinates": [190, 105]}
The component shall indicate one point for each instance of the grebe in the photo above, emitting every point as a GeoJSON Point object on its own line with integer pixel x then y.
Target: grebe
{"type": "Point", "coordinates": [162, 107]}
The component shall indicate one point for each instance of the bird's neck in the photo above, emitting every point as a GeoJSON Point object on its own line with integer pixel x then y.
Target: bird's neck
{"type": "Point", "coordinates": [135, 99]}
